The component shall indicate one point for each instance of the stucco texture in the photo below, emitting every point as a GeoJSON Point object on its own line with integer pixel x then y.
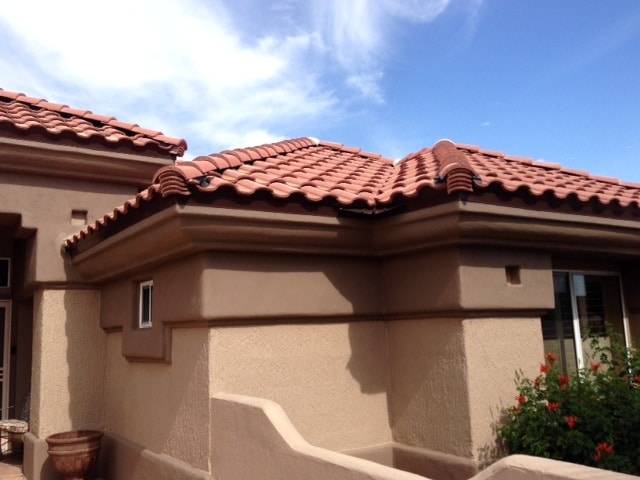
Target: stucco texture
{"type": "Point", "coordinates": [429, 402]}
{"type": "Point", "coordinates": [451, 378]}
{"type": "Point", "coordinates": [68, 362]}
{"type": "Point", "coordinates": [46, 205]}
{"type": "Point", "coordinates": [495, 349]}
{"type": "Point", "coordinates": [164, 407]}
{"type": "Point", "coordinates": [329, 378]}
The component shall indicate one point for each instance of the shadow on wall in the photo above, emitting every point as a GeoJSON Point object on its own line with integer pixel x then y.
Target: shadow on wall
{"type": "Point", "coordinates": [85, 358]}
{"type": "Point", "coordinates": [369, 361]}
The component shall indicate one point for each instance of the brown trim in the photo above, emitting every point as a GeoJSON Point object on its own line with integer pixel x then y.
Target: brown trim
{"type": "Point", "coordinates": [320, 320]}
{"type": "Point", "coordinates": [69, 161]}
{"type": "Point", "coordinates": [178, 229]}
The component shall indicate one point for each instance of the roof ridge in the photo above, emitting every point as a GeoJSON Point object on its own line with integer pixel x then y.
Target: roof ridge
{"type": "Point", "coordinates": [543, 164]}
{"type": "Point", "coordinates": [179, 145]}
{"type": "Point", "coordinates": [357, 151]}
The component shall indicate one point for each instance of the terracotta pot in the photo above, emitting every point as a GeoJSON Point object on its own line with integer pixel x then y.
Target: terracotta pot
{"type": "Point", "coordinates": [74, 453]}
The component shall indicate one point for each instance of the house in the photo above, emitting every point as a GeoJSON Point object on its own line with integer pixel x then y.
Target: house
{"type": "Point", "coordinates": [384, 307]}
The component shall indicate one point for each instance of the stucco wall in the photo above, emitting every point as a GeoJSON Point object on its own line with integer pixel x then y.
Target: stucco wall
{"type": "Point", "coordinates": [451, 378]}
{"type": "Point", "coordinates": [329, 378]}
{"type": "Point", "coordinates": [45, 204]}
{"type": "Point", "coordinates": [164, 407]}
{"type": "Point", "coordinates": [495, 349]}
{"type": "Point", "coordinates": [429, 401]}
{"type": "Point", "coordinates": [68, 362]}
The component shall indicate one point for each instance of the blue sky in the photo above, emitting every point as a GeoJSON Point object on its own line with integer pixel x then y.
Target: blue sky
{"type": "Point", "coordinates": [558, 81]}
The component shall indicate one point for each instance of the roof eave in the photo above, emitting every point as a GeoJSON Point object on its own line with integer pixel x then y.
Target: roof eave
{"type": "Point", "coordinates": [58, 160]}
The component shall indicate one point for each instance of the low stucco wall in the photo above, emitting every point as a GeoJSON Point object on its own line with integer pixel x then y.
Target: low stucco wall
{"type": "Point", "coordinates": [421, 461]}
{"type": "Point", "coordinates": [523, 467]}
{"type": "Point", "coordinates": [253, 438]}
{"type": "Point", "coordinates": [163, 407]}
{"type": "Point", "coordinates": [330, 378]}
{"type": "Point", "coordinates": [121, 459]}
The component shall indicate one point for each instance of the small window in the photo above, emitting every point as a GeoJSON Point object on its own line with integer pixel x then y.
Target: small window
{"type": "Point", "coordinates": [5, 272]}
{"type": "Point", "coordinates": [145, 299]}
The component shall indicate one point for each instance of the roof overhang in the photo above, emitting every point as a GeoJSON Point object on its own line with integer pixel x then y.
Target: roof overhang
{"type": "Point", "coordinates": [59, 160]}
{"type": "Point", "coordinates": [183, 229]}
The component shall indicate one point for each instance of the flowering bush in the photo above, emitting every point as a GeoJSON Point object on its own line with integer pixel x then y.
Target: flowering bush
{"type": "Point", "coordinates": [591, 417]}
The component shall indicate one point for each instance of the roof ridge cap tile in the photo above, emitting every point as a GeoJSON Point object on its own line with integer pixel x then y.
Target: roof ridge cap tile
{"type": "Point", "coordinates": [600, 178]}
{"type": "Point", "coordinates": [454, 168]}
{"type": "Point", "coordinates": [344, 148]}
{"type": "Point", "coordinates": [547, 165]}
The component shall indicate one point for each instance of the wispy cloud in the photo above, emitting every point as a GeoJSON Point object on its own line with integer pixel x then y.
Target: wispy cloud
{"type": "Point", "coordinates": [357, 32]}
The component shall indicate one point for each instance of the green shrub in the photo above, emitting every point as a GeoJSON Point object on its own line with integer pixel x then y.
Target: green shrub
{"type": "Point", "coordinates": [591, 417]}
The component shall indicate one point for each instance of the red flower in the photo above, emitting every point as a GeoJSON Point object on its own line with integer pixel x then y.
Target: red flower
{"type": "Point", "coordinates": [603, 448]}
{"type": "Point", "coordinates": [563, 380]}
{"type": "Point", "coordinates": [553, 406]}
{"type": "Point", "coordinates": [551, 358]}
{"type": "Point", "coordinates": [595, 366]}
{"type": "Point", "coordinates": [637, 379]}
{"type": "Point", "coordinates": [521, 399]}
{"type": "Point", "coordinates": [571, 421]}
{"type": "Point", "coordinates": [545, 368]}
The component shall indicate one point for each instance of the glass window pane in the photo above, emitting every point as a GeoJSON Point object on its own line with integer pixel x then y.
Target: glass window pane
{"type": "Point", "coordinates": [146, 299]}
{"type": "Point", "coordinates": [557, 325]}
{"type": "Point", "coordinates": [4, 272]}
{"type": "Point", "coordinates": [600, 309]}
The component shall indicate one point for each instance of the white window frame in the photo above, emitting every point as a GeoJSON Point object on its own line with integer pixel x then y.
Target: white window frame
{"type": "Point", "coordinates": [577, 330]}
{"type": "Point", "coordinates": [8, 272]}
{"type": "Point", "coordinates": [145, 322]}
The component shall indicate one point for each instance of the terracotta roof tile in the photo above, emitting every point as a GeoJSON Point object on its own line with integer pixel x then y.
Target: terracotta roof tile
{"type": "Point", "coordinates": [324, 171]}
{"type": "Point", "coordinates": [27, 114]}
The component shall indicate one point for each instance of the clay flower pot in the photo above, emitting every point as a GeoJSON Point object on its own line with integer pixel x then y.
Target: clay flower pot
{"type": "Point", "coordinates": [74, 453]}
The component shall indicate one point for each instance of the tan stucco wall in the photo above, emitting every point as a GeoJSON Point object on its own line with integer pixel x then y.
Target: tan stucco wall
{"type": "Point", "coordinates": [484, 284]}
{"type": "Point", "coordinates": [67, 381]}
{"type": "Point", "coordinates": [46, 204]}
{"type": "Point", "coordinates": [164, 407]}
{"type": "Point", "coordinates": [330, 378]}
{"type": "Point", "coordinates": [466, 278]}
{"type": "Point", "coordinates": [495, 349]}
{"type": "Point", "coordinates": [429, 401]}
{"type": "Point", "coordinates": [288, 285]}
{"type": "Point", "coordinates": [254, 438]}
{"type": "Point", "coordinates": [451, 378]}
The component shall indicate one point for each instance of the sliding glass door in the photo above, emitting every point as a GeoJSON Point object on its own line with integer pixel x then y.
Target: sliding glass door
{"type": "Point", "coordinates": [584, 303]}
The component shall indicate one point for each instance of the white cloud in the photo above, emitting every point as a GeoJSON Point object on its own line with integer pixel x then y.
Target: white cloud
{"type": "Point", "coordinates": [357, 33]}
{"type": "Point", "coordinates": [198, 70]}
{"type": "Point", "coordinates": [185, 65]}
{"type": "Point", "coordinates": [416, 10]}
{"type": "Point", "coordinates": [368, 84]}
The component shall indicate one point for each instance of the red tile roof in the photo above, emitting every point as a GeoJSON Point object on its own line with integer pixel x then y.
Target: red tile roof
{"type": "Point", "coordinates": [315, 170]}
{"type": "Point", "coordinates": [322, 171]}
{"type": "Point", "coordinates": [21, 113]}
